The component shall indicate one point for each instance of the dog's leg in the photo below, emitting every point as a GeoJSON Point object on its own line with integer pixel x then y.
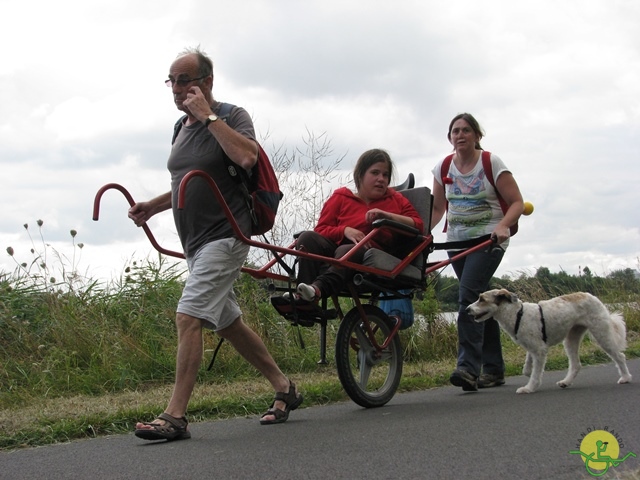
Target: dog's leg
{"type": "Point", "coordinates": [621, 363]}
{"type": "Point", "coordinates": [539, 359]}
{"type": "Point", "coordinates": [608, 344]}
{"type": "Point", "coordinates": [571, 347]}
{"type": "Point", "coordinates": [526, 369]}
{"type": "Point", "coordinates": [611, 336]}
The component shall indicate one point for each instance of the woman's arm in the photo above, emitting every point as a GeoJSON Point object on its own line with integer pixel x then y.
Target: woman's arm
{"type": "Point", "coordinates": [510, 192]}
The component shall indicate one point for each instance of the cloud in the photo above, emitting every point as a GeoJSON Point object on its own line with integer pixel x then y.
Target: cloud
{"type": "Point", "coordinates": [554, 85]}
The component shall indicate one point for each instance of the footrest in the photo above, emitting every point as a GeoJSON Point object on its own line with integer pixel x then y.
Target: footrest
{"type": "Point", "coordinates": [302, 313]}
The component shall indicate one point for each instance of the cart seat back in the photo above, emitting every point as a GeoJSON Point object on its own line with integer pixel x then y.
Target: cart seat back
{"type": "Point", "coordinates": [420, 198]}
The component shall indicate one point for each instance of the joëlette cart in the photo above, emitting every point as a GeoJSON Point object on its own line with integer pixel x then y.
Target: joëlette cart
{"type": "Point", "coordinates": [368, 350]}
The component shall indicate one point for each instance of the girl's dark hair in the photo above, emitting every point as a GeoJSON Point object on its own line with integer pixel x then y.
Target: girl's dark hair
{"type": "Point", "coordinates": [473, 123]}
{"type": "Point", "coordinates": [368, 158]}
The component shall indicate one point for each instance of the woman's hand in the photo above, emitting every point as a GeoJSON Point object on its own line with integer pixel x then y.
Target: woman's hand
{"type": "Point", "coordinates": [500, 234]}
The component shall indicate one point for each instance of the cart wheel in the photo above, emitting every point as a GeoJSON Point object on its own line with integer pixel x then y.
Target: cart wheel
{"type": "Point", "coordinates": [369, 377]}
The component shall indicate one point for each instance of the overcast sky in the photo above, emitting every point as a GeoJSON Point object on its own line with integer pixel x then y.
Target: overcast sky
{"type": "Point", "coordinates": [554, 84]}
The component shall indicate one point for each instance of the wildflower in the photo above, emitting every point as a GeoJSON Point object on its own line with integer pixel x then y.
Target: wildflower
{"type": "Point", "coordinates": [26, 226]}
{"type": "Point", "coordinates": [80, 245]}
{"type": "Point", "coordinates": [73, 233]}
{"type": "Point", "coordinates": [52, 280]}
{"type": "Point", "coordinates": [39, 222]}
{"type": "Point", "coordinates": [10, 251]}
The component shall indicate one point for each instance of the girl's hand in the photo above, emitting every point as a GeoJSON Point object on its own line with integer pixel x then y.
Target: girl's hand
{"type": "Point", "coordinates": [354, 235]}
{"type": "Point", "coordinates": [375, 214]}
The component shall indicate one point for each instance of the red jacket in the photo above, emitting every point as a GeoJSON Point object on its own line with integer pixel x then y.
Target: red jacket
{"type": "Point", "coordinates": [344, 209]}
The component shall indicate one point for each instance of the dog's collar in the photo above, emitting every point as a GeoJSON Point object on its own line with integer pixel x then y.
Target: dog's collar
{"type": "Point", "coordinates": [518, 318]}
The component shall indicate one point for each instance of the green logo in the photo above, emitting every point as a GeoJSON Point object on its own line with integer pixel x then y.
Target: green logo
{"type": "Point", "coordinates": [600, 450]}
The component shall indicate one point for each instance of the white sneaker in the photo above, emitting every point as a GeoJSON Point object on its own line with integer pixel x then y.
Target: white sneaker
{"type": "Point", "coordinates": [309, 293]}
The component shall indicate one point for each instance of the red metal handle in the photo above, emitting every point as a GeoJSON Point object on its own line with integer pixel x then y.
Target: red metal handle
{"type": "Point", "coordinates": [145, 227]}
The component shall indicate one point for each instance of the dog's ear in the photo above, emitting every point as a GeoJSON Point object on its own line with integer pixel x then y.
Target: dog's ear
{"type": "Point", "coordinates": [505, 295]}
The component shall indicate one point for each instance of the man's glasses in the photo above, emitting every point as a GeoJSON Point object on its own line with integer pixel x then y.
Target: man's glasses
{"type": "Point", "coordinates": [182, 81]}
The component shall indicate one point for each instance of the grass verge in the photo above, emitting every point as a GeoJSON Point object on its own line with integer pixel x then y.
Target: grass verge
{"type": "Point", "coordinates": [54, 420]}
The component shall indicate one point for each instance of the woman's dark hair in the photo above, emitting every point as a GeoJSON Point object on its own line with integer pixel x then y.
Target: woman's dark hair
{"type": "Point", "coordinates": [368, 158]}
{"type": "Point", "coordinates": [473, 123]}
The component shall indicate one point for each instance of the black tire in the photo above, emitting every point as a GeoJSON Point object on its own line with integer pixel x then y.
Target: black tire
{"type": "Point", "coordinates": [369, 378]}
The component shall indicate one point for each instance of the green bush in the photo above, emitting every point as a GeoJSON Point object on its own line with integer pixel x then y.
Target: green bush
{"type": "Point", "coordinates": [74, 337]}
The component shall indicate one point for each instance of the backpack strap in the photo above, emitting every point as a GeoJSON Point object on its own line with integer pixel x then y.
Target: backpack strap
{"type": "Point", "coordinates": [444, 168]}
{"type": "Point", "coordinates": [177, 127]}
{"type": "Point", "coordinates": [225, 111]}
{"type": "Point", "coordinates": [238, 173]}
{"type": "Point", "coordinates": [488, 170]}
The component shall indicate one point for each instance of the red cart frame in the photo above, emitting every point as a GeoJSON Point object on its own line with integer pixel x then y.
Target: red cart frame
{"type": "Point", "coordinates": [368, 348]}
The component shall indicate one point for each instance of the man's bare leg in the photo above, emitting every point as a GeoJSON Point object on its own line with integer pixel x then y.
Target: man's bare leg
{"type": "Point", "coordinates": [252, 348]}
{"type": "Point", "coordinates": [188, 361]}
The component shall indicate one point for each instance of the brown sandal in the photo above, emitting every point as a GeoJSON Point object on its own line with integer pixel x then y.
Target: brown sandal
{"type": "Point", "coordinates": [173, 429]}
{"type": "Point", "coordinates": [291, 400]}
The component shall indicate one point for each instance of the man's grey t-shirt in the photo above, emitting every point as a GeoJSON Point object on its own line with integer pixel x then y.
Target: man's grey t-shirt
{"type": "Point", "coordinates": [203, 220]}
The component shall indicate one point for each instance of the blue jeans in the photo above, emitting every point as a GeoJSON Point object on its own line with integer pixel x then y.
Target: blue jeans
{"type": "Point", "coordinates": [479, 347]}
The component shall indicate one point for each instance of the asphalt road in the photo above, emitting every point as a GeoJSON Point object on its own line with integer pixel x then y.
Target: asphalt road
{"type": "Point", "coordinates": [437, 434]}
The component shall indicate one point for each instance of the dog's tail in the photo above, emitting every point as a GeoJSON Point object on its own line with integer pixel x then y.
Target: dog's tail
{"type": "Point", "coordinates": [619, 331]}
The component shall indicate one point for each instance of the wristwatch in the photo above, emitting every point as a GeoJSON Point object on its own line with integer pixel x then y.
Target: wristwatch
{"type": "Point", "coordinates": [210, 119]}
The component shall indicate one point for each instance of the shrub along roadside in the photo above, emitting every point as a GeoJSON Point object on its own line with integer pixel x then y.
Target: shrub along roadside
{"type": "Point", "coordinates": [81, 363]}
{"type": "Point", "coordinates": [61, 419]}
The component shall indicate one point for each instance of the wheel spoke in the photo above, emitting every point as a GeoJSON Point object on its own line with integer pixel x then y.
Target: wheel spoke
{"type": "Point", "coordinates": [365, 368]}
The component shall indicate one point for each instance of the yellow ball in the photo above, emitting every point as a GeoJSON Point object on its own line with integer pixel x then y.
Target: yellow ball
{"type": "Point", "coordinates": [528, 208]}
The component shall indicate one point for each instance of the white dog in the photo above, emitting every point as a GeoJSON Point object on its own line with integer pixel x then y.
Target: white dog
{"type": "Point", "coordinates": [536, 327]}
